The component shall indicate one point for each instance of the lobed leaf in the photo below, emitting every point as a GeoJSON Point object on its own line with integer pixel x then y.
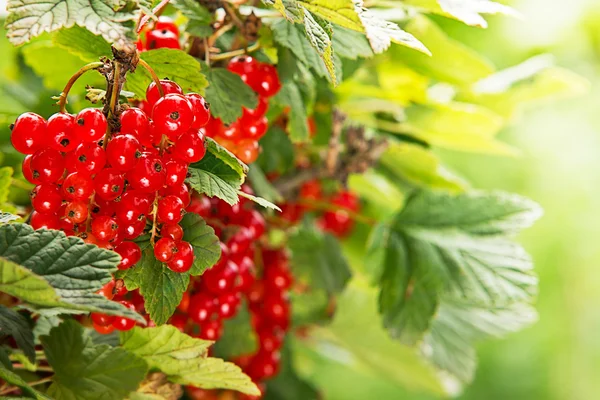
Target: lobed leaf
{"type": "Point", "coordinates": [204, 241]}
{"type": "Point", "coordinates": [227, 94]}
{"type": "Point", "coordinates": [14, 324]}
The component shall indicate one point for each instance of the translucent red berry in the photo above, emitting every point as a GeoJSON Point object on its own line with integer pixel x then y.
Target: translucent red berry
{"type": "Point", "coordinates": [46, 198]}
{"type": "Point", "coordinates": [61, 132]}
{"type": "Point", "coordinates": [183, 259]}
{"type": "Point", "coordinates": [255, 129]}
{"type": "Point", "coordinates": [87, 159]}
{"type": "Point", "coordinates": [264, 365]}
{"type": "Point", "coordinates": [104, 228]}
{"type": "Point", "coordinates": [152, 93]}
{"type": "Point", "coordinates": [148, 175]}
{"type": "Point", "coordinates": [172, 231]}
{"type": "Point", "coordinates": [247, 150]}
{"type": "Point", "coordinates": [172, 115]}
{"type": "Point", "coordinates": [76, 211]}
{"type": "Point", "coordinates": [28, 133]}
{"type": "Point", "coordinates": [122, 323]}
{"type": "Point", "coordinates": [200, 108]}
{"type": "Point", "coordinates": [102, 319]}
{"type": "Point", "coordinates": [130, 254]}
{"type": "Point", "coordinates": [48, 221]}
{"type": "Point", "coordinates": [134, 205]}
{"type": "Point", "coordinates": [77, 186]}
{"type": "Point", "coordinates": [190, 147]}
{"type": "Point", "coordinates": [27, 172]}
{"type": "Point", "coordinates": [211, 330]}
{"type": "Point", "coordinates": [164, 249]}
{"type": "Point", "coordinates": [176, 172]}
{"type": "Point", "coordinates": [123, 152]}
{"type": "Point", "coordinates": [109, 184]}
{"type": "Point", "coordinates": [201, 308]}
{"type": "Point", "coordinates": [135, 122]}
{"type": "Point", "coordinates": [243, 65]}
{"type": "Point", "coordinates": [167, 23]}
{"type": "Point", "coordinates": [181, 191]}
{"type": "Point", "coordinates": [170, 209]}
{"type": "Point", "coordinates": [162, 39]}
{"type": "Point", "coordinates": [90, 125]}
{"type": "Point", "coordinates": [47, 165]}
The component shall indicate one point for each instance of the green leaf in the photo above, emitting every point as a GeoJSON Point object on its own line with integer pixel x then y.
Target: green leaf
{"type": "Point", "coordinates": [87, 371]}
{"type": "Point", "coordinates": [238, 337]}
{"type": "Point", "coordinates": [161, 288]}
{"type": "Point", "coordinates": [419, 166]}
{"type": "Point", "coordinates": [227, 94]}
{"type": "Point", "coordinates": [15, 380]}
{"type": "Point", "coordinates": [204, 241]}
{"type": "Point", "coordinates": [350, 44]}
{"type": "Point", "coordinates": [172, 64]}
{"type": "Point", "coordinates": [6, 174]}
{"type": "Point", "coordinates": [289, 95]}
{"type": "Point", "coordinates": [74, 269]}
{"type": "Point", "coordinates": [261, 185]}
{"type": "Point", "coordinates": [317, 259]}
{"type": "Point", "coordinates": [319, 34]}
{"type": "Point", "coordinates": [29, 18]}
{"type": "Point", "coordinates": [467, 11]}
{"type": "Point", "coordinates": [166, 348]}
{"type": "Point", "coordinates": [457, 245]}
{"type": "Point", "coordinates": [43, 325]}
{"type": "Point", "coordinates": [14, 324]}
{"type": "Point", "coordinates": [451, 62]}
{"type": "Point", "coordinates": [214, 373]}
{"type": "Point", "coordinates": [218, 174]}
{"type": "Point", "coordinates": [259, 200]}
{"type": "Point", "coordinates": [278, 151]}
{"type": "Point", "coordinates": [287, 385]}
{"type": "Point", "coordinates": [83, 43]}
{"type": "Point", "coordinates": [7, 217]}
{"type": "Point", "coordinates": [382, 198]}
{"type": "Point", "coordinates": [200, 19]}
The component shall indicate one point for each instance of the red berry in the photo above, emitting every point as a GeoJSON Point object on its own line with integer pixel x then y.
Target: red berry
{"type": "Point", "coordinates": [172, 231]}
{"type": "Point", "coordinates": [167, 23]}
{"type": "Point", "coordinates": [162, 39]}
{"type": "Point", "coordinates": [277, 310]}
{"type": "Point", "coordinates": [256, 128]}
{"type": "Point", "coordinates": [164, 249]}
{"type": "Point", "coordinates": [28, 133]}
{"type": "Point", "coordinates": [152, 93]}
{"type": "Point", "coordinates": [61, 132]}
{"type": "Point", "coordinates": [172, 115]}
{"type": "Point", "coordinates": [259, 111]}
{"type": "Point", "coordinates": [184, 304]}
{"type": "Point", "coordinates": [46, 198]}
{"type": "Point", "coordinates": [148, 175]}
{"type": "Point", "coordinates": [104, 228]}
{"type": "Point", "coordinates": [255, 223]}
{"type": "Point", "coordinates": [200, 205]}
{"type": "Point", "coordinates": [240, 242]}
{"type": "Point", "coordinates": [170, 209]}
{"type": "Point", "coordinates": [132, 230]}
{"type": "Point", "coordinates": [27, 172]}
{"type": "Point", "coordinates": [265, 82]}
{"type": "Point", "coordinates": [200, 108]}
{"type": "Point", "coordinates": [134, 205]}
{"type": "Point", "coordinates": [103, 330]}
{"type": "Point", "coordinates": [211, 330]}
{"type": "Point", "coordinates": [201, 308]}
{"type": "Point", "coordinates": [77, 187]}
{"type": "Point", "coordinates": [243, 65]}
{"type": "Point", "coordinates": [189, 147]}
{"type": "Point", "coordinates": [108, 290]}
{"type": "Point", "coordinates": [181, 191]}
{"type": "Point", "coordinates": [228, 305]}
{"type": "Point", "coordinates": [88, 159]}
{"type": "Point", "coordinates": [76, 211]}
{"type": "Point", "coordinates": [48, 221]}
{"type": "Point", "coordinates": [183, 260]}
{"type": "Point", "coordinates": [123, 152]}
{"type": "Point", "coordinates": [130, 254]}
{"type": "Point", "coordinates": [214, 127]}
{"type": "Point", "coordinates": [270, 340]}
{"type": "Point", "coordinates": [278, 277]}
{"type": "Point", "coordinates": [232, 132]}
{"type": "Point", "coordinates": [220, 279]}
{"type": "Point", "coordinates": [256, 293]}
{"type": "Point", "coordinates": [247, 150]}
{"type": "Point", "coordinates": [135, 122]}
{"type": "Point", "coordinates": [179, 321]}
{"type": "Point", "coordinates": [102, 319]}
{"type": "Point", "coordinates": [47, 165]}
{"type": "Point", "coordinates": [90, 125]}
{"type": "Point", "coordinates": [264, 365]}
{"type": "Point", "coordinates": [109, 184]}
{"type": "Point", "coordinates": [122, 323]}
{"type": "Point", "coordinates": [176, 172]}
{"type": "Point", "coordinates": [246, 275]}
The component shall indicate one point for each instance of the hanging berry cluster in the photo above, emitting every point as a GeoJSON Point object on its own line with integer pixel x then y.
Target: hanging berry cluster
{"type": "Point", "coordinates": [241, 137]}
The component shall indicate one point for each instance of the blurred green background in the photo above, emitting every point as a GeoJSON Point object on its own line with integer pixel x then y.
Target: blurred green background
{"type": "Point", "coordinates": [559, 357]}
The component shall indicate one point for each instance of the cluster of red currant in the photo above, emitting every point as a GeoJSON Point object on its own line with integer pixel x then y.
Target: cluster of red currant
{"type": "Point", "coordinates": [106, 324]}
{"type": "Point", "coordinates": [241, 137]}
{"type": "Point", "coordinates": [164, 34]}
{"type": "Point", "coordinates": [337, 219]}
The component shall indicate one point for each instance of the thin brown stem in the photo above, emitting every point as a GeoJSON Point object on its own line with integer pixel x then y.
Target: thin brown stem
{"type": "Point", "coordinates": [155, 77]}
{"type": "Point", "coordinates": [62, 100]}
{"type": "Point", "coordinates": [234, 53]}
{"type": "Point", "coordinates": [155, 11]}
{"type": "Point", "coordinates": [35, 383]}
{"type": "Point", "coordinates": [206, 52]}
{"type": "Point", "coordinates": [234, 17]}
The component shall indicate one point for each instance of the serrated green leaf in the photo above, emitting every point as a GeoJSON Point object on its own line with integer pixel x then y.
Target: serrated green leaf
{"type": "Point", "coordinates": [456, 245]}
{"type": "Point", "coordinates": [200, 19]}
{"type": "Point", "coordinates": [166, 348]}
{"type": "Point", "coordinates": [82, 43]}
{"type": "Point", "coordinates": [43, 325]}
{"type": "Point", "coordinates": [278, 151]}
{"type": "Point", "coordinates": [227, 157]}
{"type": "Point", "coordinates": [214, 373]}
{"type": "Point", "coordinates": [14, 324]}
{"type": "Point", "coordinates": [289, 95]}
{"type": "Point", "coordinates": [467, 11]}
{"type": "Point", "coordinates": [350, 44]}
{"type": "Point", "coordinates": [172, 64]}
{"type": "Point", "coordinates": [29, 18]}
{"type": "Point", "coordinates": [317, 258]}
{"type": "Point", "coordinates": [87, 371]}
{"type": "Point", "coordinates": [259, 200]}
{"type": "Point", "coordinates": [319, 32]}
{"type": "Point", "coordinates": [20, 282]}
{"type": "Point", "coordinates": [161, 288]}
{"type": "Point", "coordinates": [261, 185]}
{"type": "Point", "coordinates": [6, 174]}
{"type": "Point", "coordinates": [13, 379]}
{"type": "Point", "coordinates": [227, 94]}
{"type": "Point", "coordinates": [7, 217]}
{"type": "Point", "coordinates": [238, 337]}
{"type": "Point", "coordinates": [204, 241]}
{"type": "Point", "coordinates": [381, 197]}
{"type": "Point", "coordinates": [209, 183]}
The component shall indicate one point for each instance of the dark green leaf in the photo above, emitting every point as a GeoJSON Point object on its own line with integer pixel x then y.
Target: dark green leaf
{"type": "Point", "coordinates": [172, 64]}
{"type": "Point", "coordinates": [227, 157]}
{"type": "Point", "coordinates": [20, 282]}
{"type": "Point", "coordinates": [14, 324]}
{"type": "Point", "coordinates": [317, 258]}
{"type": "Point", "coordinates": [30, 18]}
{"type": "Point", "coordinates": [202, 237]}
{"type": "Point", "coordinates": [83, 43]}
{"type": "Point", "coordinates": [87, 371]}
{"type": "Point", "coordinates": [350, 44]}
{"type": "Point", "coordinates": [278, 151]}
{"type": "Point", "coordinates": [4, 360]}
{"type": "Point", "coordinates": [43, 325]}
{"type": "Point", "coordinates": [261, 185]}
{"type": "Point", "coordinates": [289, 95]}
{"type": "Point", "coordinates": [200, 19]}
{"type": "Point", "coordinates": [227, 94]}
{"type": "Point", "coordinates": [238, 336]}
{"type": "Point", "coordinates": [287, 385]}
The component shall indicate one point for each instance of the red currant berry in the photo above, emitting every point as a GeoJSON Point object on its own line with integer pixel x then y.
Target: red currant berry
{"type": "Point", "coordinates": [278, 277]}
{"type": "Point", "coordinates": [265, 81]}
{"type": "Point", "coordinates": [232, 132]}
{"type": "Point", "coordinates": [270, 340]}
{"type": "Point", "coordinates": [277, 310]}
{"type": "Point", "coordinates": [184, 304]}
{"type": "Point", "coordinates": [76, 212]}
{"type": "Point", "coordinates": [134, 205]}
{"type": "Point", "coordinates": [87, 159]}
{"type": "Point", "coordinates": [123, 152]}
{"type": "Point", "coordinates": [90, 125]}
{"type": "Point", "coordinates": [228, 305]}
{"type": "Point", "coordinates": [48, 221]}
{"type": "Point", "coordinates": [247, 150]}
{"type": "Point", "coordinates": [47, 165]}
{"type": "Point", "coordinates": [102, 319]}
{"type": "Point", "coordinates": [264, 365]}
{"type": "Point", "coordinates": [27, 172]}
{"type": "Point", "coordinates": [60, 130]}
{"type": "Point", "coordinates": [243, 65]}
{"type": "Point", "coordinates": [109, 184]}
{"type": "Point", "coordinates": [179, 321]}
{"type": "Point", "coordinates": [201, 110]}
{"type": "Point", "coordinates": [202, 307]}
{"type": "Point", "coordinates": [214, 127]}
{"type": "Point", "coordinates": [246, 275]}
{"type": "Point", "coordinates": [255, 129]}
{"type": "Point", "coordinates": [183, 260]}
{"type": "Point", "coordinates": [167, 23]}
{"type": "Point", "coordinates": [152, 93]}
{"type": "Point", "coordinates": [130, 254]}
{"type": "Point", "coordinates": [172, 231]}
{"type": "Point", "coordinates": [259, 111]}
{"type": "Point", "coordinates": [77, 187]}
{"type": "Point", "coordinates": [255, 223]}
{"type": "Point", "coordinates": [148, 175]}
{"type": "Point", "coordinates": [164, 249]}
{"type": "Point", "coordinates": [170, 209]}
{"type": "Point", "coordinates": [189, 147]}
{"type": "Point", "coordinates": [46, 198]}
{"type": "Point", "coordinates": [211, 330]}
{"type": "Point", "coordinates": [176, 172]}
{"type": "Point", "coordinates": [172, 115]}
{"type": "Point", "coordinates": [256, 293]}
{"type": "Point", "coordinates": [122, 323]}
{"type": "Point", "coordinates": [181, 191]}
{"type": "Point", "coordinates": [28, 133]}
{"type": "Point", "coordinates": [133, 229]}
{"type": "Point", "coordinates": [103, 330]}
{"type": "Point", "coordinates": [200, 205]}
{"type": "Point", "coordinates": [162, 39]}
{"type": "Point", "coordinates": [135, 122]}
{"type": "Point", "coordinates": [220, 279]}
{"type": "Point", "coordinates": [104, 228]}
{"type": "Point", "coordinates": [240, 242]}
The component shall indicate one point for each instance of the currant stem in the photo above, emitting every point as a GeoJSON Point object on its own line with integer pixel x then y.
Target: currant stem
{"type": "Point", "coordinates": [163, 145]}
{"type": "Point", "coordinates": [114, 95]}
{"type": "Point", "coordinates": [240, 52]}
{"type": "Point", "coordinates": [36, 383]}
{"type": "Point", "coordinates": [155, 77]}
{"type": "Point", "coordinates": [62, 102]}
